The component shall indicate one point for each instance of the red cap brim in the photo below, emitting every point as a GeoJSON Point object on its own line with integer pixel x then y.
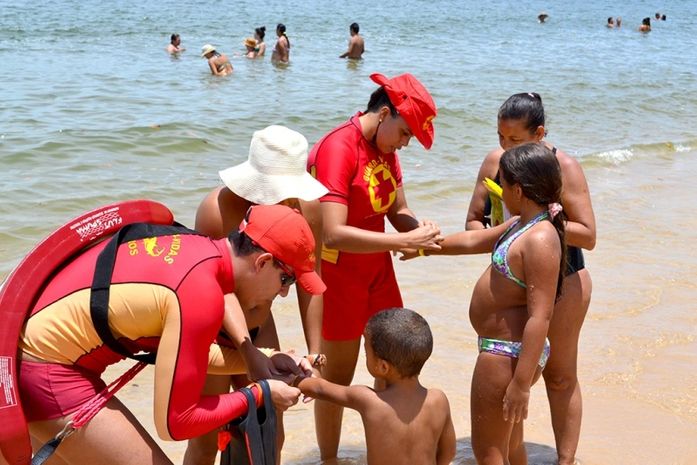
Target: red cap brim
{"type": "Point", "coordinates": [312, 283]}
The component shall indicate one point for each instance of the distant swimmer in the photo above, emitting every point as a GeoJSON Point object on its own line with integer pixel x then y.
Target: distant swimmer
{"type": "Point", "coordinates": [618, 22]}
{"type": "Point", "coordinates": [251, 45]}
{"type": "Point", "coordinates": [218, 62]}
{"type": "Point", "coordinates": [175, 44]}
{"type": "Point", "coordinates": [645, 25]}
{"type": "Point", "coordinates": [542, 17]}
{"type": "Point", "coordinates": [281, 50]}
{"type": "Point", "coordinates": [259, 34]}
{"type": "Point", "coordinates": [356, 46]}
{"type": "Point", "coordinates": [610, 22]}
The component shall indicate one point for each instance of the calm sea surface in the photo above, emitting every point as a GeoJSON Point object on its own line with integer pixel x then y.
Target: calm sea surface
{"type": "Point", "coordinates": [92, 110]}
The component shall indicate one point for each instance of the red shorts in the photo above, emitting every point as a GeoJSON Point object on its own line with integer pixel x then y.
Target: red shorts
{"type": "Point", "coordinates": [52, 390]}
{"type": "Point", "coordinates": [358, 286]}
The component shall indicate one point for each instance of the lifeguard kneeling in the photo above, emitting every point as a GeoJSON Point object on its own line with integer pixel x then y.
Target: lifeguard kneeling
{"type": "Point", "coordinates": [165, 295]}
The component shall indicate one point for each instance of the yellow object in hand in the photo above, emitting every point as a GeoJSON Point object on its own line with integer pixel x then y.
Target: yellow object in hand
{"type": "Point", "coordinates": [496, 197]}
{"type": "Point", "coordinates": [492, 187]}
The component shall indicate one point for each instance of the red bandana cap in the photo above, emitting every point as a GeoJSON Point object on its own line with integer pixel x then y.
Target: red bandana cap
{"type": "Point", "coordinates": [413, 102]}
{"type": "Point", "coordinates": [283, 232]}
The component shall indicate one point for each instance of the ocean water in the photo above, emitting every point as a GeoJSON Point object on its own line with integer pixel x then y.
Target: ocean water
{"type": "Point", "coordinates": [92, 110]}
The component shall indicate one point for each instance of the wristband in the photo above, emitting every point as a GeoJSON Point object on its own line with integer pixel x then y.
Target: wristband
{"type": "Point", "coordinates": [422, 253]}
{"type": "Point", "coordinates": [297, 380]}
{"type": "Point", "coordinates": [259, 395]}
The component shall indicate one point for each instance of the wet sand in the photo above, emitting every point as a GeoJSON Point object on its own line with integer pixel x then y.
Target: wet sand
{"type": "Point", "coordinates": [638, 347]}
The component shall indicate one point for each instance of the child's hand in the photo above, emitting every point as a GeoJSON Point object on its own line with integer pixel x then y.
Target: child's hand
{"type": "Point", "coordinates": [283, 396]}
{"type": "Point", "coordinates": [515, 403]}
{"type": "Point", "coordinates": [408, 254]}
{"type": "Point", "coordinates": [316, 360]}
{"type": "Point", "coordinates": [287, 364]}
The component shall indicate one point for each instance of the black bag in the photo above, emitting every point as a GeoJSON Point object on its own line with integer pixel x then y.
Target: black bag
{"type": "Point", "coordinates": [253, 437]}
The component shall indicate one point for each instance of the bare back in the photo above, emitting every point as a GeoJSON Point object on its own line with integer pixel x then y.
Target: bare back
{"type": "Point", "coordinates": [356, 47]}
{"type": "Point", "coordinates": [406, 427]}
{"type": "Point", "coordinates": [281, 50]}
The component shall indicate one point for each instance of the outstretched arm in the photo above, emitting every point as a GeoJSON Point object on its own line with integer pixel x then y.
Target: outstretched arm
{"type": "Point", "coordinates": [338, 235]}
{"type": "Point", "coordinates": [463, 242]}
{"type": "Point", "coordinates": [353, 397]}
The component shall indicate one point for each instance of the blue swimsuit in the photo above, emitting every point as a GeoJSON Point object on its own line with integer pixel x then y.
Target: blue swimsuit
{"type": "Point", "coordinates": [499, 259]}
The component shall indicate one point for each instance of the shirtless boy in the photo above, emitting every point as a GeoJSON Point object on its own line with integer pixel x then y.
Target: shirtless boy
{"type": "Point", "coordinates": [404, 422]}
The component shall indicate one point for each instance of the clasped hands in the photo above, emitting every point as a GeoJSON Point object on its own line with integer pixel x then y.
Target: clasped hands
{"type": "Point", "coordinates": [426, 237]}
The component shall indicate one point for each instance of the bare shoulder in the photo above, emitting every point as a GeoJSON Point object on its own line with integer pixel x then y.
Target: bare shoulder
{"type": "Point", "coordinates": [542, 240]}
{"type": "Point", "coordinates": [493, 157]}
{"type": "Point", "coordinates": [568, 163]}
{"type": "Point", "coordinates": [437, 400]}
{"type": "Point", "coordinates": [572, 173]}
{"type": "Point", "coordinates": [208, 217]}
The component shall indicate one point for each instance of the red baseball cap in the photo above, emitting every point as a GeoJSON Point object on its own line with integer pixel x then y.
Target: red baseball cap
{"type": "Point", "coordinates": [413, 102]}
{"type": "Point", "coordinates": [283, 232]}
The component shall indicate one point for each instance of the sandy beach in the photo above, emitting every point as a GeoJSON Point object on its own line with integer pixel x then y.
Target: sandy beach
{"type": "Point", "coordinates": [93, 111]}
{"type": "Point", "coordinates": [638, 346]}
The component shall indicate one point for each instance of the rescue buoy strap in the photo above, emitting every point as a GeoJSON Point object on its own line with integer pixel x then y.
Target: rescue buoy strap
{"type": "Point", "coordinates": [101, 283]}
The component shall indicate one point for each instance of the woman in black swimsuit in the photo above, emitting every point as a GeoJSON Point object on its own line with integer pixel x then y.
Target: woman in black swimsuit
{"type": "Point", "coordinates": [521, 120]}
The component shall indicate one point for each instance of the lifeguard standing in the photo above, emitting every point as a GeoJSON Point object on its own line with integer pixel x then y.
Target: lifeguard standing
{"type": "Point", "coordinates": [358, 163]}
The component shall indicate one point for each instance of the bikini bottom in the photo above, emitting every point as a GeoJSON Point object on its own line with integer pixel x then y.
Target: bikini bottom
{"type": "Point", "coordinates": [510, 348]}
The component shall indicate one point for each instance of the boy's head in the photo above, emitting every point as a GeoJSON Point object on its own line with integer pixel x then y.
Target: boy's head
{"type": "Point", "coordinates": [402, 338]}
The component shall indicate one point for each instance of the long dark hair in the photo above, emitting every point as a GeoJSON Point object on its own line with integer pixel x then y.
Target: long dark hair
{"type": "Point", "coordinates": [282, 29]}
{"type": "Point", "coordinates": [526, 106]}
{"type": "Point", "coordinates": [535, 168]}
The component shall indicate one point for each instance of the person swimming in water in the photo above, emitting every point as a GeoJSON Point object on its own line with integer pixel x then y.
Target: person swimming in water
{"type": "Point", "coordinates": [356, 46]}
{"type": "Point", "coordinates": [259, 34]}
{"type": "Point", "coordinates": [218, 62]}
{"type": "Point", "coordinates": [281, 50]}
{"type": "Point", "coordinates": [175, 44]}
{"type": "Point", "coordinates": [251, 45]}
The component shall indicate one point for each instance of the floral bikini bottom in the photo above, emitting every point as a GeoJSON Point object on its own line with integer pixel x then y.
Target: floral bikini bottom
{"type": "Point", "coordinates": [510, 348]}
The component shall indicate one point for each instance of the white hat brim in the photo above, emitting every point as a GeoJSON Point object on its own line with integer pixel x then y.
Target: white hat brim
{"type": "Point", "coordinates": [264, 189]}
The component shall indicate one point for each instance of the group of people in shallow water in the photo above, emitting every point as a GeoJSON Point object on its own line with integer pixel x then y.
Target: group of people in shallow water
{"type": "Point", "coordinates": [255, 47]}
{"type": "Point", "coordinates": [645, 26]}
{"type": "Point", "coordinates": [286, 216]}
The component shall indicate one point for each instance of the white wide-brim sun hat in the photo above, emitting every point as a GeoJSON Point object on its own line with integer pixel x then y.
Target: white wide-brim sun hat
{"type": "Point", "coordinates": [276, 169]}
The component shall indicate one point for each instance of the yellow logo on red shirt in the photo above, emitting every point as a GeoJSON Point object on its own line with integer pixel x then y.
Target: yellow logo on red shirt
{"type": "Point", "coordinates": [151, 248]}
{"type": "Point", "coordinates": [382, 186]}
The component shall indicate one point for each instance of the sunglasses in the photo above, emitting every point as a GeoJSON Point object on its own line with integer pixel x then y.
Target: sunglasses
{"type": "Point", "coordinates": [287, 277]}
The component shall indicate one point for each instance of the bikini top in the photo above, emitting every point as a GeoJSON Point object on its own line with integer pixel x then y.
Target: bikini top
{"type": "Point", "coordinates": [499, 258]}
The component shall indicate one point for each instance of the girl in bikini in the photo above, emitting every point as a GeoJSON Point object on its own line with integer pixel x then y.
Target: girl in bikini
{"type": "Point", "coordinates": [512, 303]}
{"type": "Point", "coordinates": [521, 120]}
